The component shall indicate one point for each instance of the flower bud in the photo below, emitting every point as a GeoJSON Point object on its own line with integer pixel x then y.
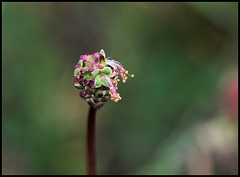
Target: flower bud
{"type": "Point", "coordinates": [97, 78]}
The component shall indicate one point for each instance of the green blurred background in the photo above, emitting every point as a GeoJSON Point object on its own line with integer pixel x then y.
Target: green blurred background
{"type": "Point", "coordinates": [178, 114]}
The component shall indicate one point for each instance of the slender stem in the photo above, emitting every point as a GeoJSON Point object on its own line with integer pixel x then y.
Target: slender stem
{"type": "Point", "coordinates": [91, 159]}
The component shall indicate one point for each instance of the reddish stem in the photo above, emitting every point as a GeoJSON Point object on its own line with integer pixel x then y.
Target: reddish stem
{"type": "Point", "coordinates": [91, 159]}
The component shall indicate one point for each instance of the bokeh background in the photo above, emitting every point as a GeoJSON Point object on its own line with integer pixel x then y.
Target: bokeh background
{"type": "Point", "coordinates": [178, 114]}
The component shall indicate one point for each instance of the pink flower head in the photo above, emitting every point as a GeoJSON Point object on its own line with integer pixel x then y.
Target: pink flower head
{"type": "Point", "coordinates": [100, 75]}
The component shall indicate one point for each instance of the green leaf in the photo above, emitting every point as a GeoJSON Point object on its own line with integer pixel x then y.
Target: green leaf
{"type": "Point", "coordinates": [80, 63]}
{"type": "Point", "coordinates": [91, 77]}
{"type": "Point", "coordinates": [105, 82]}
{"type": "Point", "coordinates": [91, 58]}
{"type": "Point", "coordinates": [109, 62]}
{"type": "Point", "coordinates": [85, 68]}
{"type": "Point", "coordinates": [98, 81]}
{"type": "Point", "coordinates": [76, 72]}
{"type": "Point", "coordinates": [87, 76]}
{"type": "Point", "coordinates": [95, 73]}
{"type": "Point", "coordinates": [102, 52]}
{"type": "Point", "coordinates": [106, 70]}
{"type": "Point", "coordinates": [102, 61]}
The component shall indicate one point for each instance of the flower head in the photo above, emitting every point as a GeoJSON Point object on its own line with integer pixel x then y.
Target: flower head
{"type": "Point", "coordinates": [97, 78]}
